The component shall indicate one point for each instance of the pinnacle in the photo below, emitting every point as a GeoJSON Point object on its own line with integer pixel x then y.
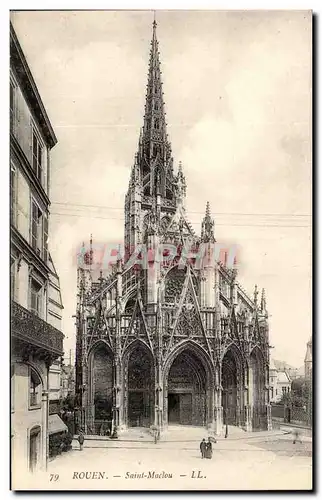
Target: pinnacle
{"type": "Point", "coordinates": [208, 209]}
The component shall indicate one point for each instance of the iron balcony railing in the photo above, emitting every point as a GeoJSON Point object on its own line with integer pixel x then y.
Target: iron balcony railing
{"type": "Point", "coordinates": [28, 327]}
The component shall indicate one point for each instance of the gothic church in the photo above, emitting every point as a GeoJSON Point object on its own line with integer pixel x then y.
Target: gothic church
{"type": "Point", "coordinates": [166, 344]}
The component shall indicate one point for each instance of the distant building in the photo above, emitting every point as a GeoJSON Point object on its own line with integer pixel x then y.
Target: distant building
{"type": "Point", "coordinates": [279, 382]}
{"type": "Point", "coordinates": [67, 381]}
{"type": "Point", "coordinates": [308, 365]}
{"type": "Point", "coordinates": [308, 361]}
{"type": "Point", "coordinates": [54, 386]}
{"type": "Point", "coordinates": [36, 337]}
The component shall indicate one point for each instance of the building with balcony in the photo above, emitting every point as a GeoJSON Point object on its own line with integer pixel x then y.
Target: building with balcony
{"type": "Point", "coordinates": [36, 305]}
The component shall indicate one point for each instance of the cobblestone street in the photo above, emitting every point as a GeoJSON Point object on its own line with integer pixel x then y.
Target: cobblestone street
{"type": "Point", "coordinates": [244, 461]}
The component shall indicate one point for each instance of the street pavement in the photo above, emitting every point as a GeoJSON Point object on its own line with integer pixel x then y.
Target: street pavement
{"type": "Point", "coordinates": [244, 461]}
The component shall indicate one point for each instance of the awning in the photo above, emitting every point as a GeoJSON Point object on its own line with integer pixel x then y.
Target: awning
{"type": "Point", "coordinates": [55, 424]}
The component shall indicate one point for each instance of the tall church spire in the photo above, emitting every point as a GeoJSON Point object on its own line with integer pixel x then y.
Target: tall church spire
{"type": "Point", "coordinates": [155, 154]}
{"type": "Point", "coordinates": [154, 128]}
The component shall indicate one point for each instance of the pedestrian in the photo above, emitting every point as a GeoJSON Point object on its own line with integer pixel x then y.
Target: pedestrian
{"type": "Point", "coordinates": [296, 436]}
{"type": "Point", "coordinates": [226, 432]}
{"type": "Point", "coordinates": [209, 448]}
{"type": "Point", "coordinates": [81, 440]}
{"type": "Point", "coordinates": [203, 446]}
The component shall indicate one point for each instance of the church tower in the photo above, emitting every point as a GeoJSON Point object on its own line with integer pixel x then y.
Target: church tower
{"type": "Point", "coordinates": [152, 180]}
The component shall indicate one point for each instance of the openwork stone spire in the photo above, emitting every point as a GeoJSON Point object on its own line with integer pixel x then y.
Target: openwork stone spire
{"type": "Point", "coordinates": [207, 227]}
{"type": "Point", "coordinates": [154, 147]}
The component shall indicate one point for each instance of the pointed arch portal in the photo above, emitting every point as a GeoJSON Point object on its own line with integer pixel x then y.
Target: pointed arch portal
{"type": "Point", "coordinates": [231, 390]}
{"type": "Point", "coordinates": [257, 388]}
{"type": "Point", "coordinates": [187, 390]}
{"type": "Point", "coordinates": [188, 386]}
{"type": "Point", "coordinates": [140, 386]}
{"type": "Point", "coordinates": [101, 376]}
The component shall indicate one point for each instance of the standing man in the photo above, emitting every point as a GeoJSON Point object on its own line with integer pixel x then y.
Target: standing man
{"type": "Point", "coordinates": [81, 439]}
{"type": "Point", "coordinates": [203, 446]}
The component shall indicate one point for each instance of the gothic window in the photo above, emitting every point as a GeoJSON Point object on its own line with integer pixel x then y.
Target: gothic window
{"type": "Point", "coordinates": [156, 150]}
{"type": "Point", "coordinates": [156, 123]}
{"type": "Point", "coordinates": [156, 105]}
{"type": "Point", "coordinates": [165, 221]}
{"type": "Point", "coordinates": [174, 284]}
{"type": "Point", "coordinates": [169, 194]}
{"type": "Point", "coordinates": [129, 306]}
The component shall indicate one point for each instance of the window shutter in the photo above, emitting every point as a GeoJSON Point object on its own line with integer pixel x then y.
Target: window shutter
{"type": "Point", "coordinates": [33, 300]}
{"type": "Point", "coordinates": [34, 152]}
{"type": "Point", "coordinates": [39, 163]}
{"type": "Point", "coordinates": [12, 107]}
{"type": "Point", "coordinates": [45, 239]}
{"type": "Point", "coordinates": [13, 197]}
{"type": "Point", "coordinates": [34, 225]}
{"type": "Point", "coordinates": [44, 170]}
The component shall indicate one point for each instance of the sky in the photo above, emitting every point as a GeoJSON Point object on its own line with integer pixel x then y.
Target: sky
{"type": "Point", "coordinates": [237, 90]}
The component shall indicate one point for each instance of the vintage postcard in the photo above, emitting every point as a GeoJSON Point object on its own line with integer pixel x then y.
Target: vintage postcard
{"type": "Point", "coordinates": [161, 218]}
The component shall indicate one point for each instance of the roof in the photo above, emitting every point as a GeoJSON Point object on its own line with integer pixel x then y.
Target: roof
{"type": "Point", "coordinates": [19, 63]}
{"type": "Point", "coordinates": [283, 377]}
{"type": "Point", "coordinates": [55, 424]}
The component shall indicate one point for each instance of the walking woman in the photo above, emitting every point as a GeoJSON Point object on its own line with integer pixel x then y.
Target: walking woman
{"type": "Point", "coordinates": [208, 449]}
{"type": "Point", "coordinates": [81, 440]}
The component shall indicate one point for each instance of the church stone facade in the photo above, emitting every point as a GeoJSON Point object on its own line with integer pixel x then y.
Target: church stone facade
{"type": "Point", "coordinates": [166, 340]}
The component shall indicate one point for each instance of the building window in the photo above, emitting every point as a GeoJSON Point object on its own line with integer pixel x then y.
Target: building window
{"type": "Point", "coordinates": [34, 389]}
{"type": "Point", "coordinates": [39, 231]}
{"type": "Point", "coordinates": [37, 153]}
{"type": "Point", "coordinates": [13, 194]}
{"type": "Point", "coordinates": [272, 392]}
{"type": "Point", "coordinates": [12, 395]}
{"type": "Point", "coordinates": [34, 448]}
{"type": "Point", "coordinates": [12, 105]}
{"type": "Point", "coordinates": [12, 277]}
{"type": "Point", "coordinates": [36, 295]}
{"type": "Point", "coordinates": [284, 390]}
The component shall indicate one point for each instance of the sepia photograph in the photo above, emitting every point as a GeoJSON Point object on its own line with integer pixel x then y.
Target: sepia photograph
{"type": "Point", "coordinates": [161, 250]}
